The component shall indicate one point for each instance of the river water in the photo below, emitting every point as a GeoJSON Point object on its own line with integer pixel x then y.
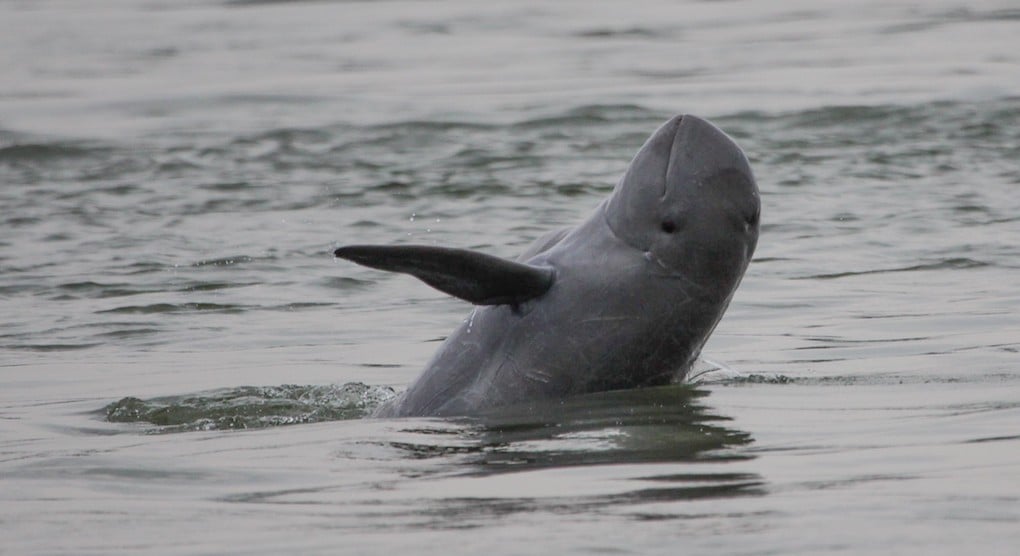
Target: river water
{"type": "Point", "coordinates": [184, 369]}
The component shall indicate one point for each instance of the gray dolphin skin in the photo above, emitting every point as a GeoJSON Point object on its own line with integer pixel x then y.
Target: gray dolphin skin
{"type": "Point", "coordinates": [626, 299]}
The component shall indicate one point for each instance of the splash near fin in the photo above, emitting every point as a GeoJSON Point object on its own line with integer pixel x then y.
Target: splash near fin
{"type": "Point", "coordinates": [471, 276]}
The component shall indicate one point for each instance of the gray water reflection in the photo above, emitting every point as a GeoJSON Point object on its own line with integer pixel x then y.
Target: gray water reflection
{"type": "Point", "coordinates": [666, 425]}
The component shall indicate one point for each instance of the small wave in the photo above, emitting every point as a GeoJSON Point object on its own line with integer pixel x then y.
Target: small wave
{"type": "Point", "coordinates": [609, 33]}
{"type": "Point", "coordinates": [90, 289]}
{"type": "Point", "coordinates": [228, 187]}
{"type": "Point", "coordinates": [843, 114]}
{"type": "Point", "coordinates": [958, 263]}
{"type": "Point", "coordinates": [143, 267]}
{"type": "Point", "coordinates": [176, 308]}
{"type": "Point", "coordinates": [196, 286]}
{"type": "Point", "coordinates": [344, 283]}
{"type": "Point", "coordinates": [250, 407]}
{"type": "Point", "coordinates": [37, 152]}
{"type": "Point", "coordinates": [289, 135]}
{"type": "Point", "coordinates": [594, 114]}
{"type": "Point", "coordinates": [299, 306]}
{"type": "Point", "coordinates": [224, 261]}
{"type": "Point", "coordinates": [890, 379]}
{"type": "Point", "coordinates": [432, 126]}
{"type": "Point", "coordinates": [49, 347]}
{"type": "Point", "coordinates": [757, 378]}
{"type": "Point", "coordinates": [706, 371]}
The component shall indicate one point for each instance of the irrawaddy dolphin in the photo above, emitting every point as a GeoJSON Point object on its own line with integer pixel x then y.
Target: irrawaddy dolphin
{"type": "Point", "coordinates": [625, 299]}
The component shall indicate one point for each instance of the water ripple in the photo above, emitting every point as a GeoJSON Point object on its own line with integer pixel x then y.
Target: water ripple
{"type": "Point", "coordinates": [249, 407]}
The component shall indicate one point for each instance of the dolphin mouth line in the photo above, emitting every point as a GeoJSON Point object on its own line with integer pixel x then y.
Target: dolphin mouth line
{"type": "Point", "coordinates": [671, 274]}
{"type": "Point", "coordinates": [668, 273]}
{"type": "Point", "coordinates": [651, 257]}
{"type": "Point", "coordinates": [669, 158]}
{"type": "Point", "coordinates": [609, 224]}
{"type": "Point", "coordinates": [646, 251]}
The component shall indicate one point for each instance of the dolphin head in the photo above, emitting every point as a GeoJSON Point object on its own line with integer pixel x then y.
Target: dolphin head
{"type": "Point", "coordinates": [690, 202]}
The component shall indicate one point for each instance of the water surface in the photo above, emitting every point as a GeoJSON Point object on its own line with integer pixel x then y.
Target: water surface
{"type": "Point", "coordinates": [184, 368]}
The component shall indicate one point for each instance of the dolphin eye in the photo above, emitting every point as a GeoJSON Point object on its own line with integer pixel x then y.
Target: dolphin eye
{"type": "Point", "coordinates": [668, 226]}
{"type": "Point", "coordinates": [753, 218]}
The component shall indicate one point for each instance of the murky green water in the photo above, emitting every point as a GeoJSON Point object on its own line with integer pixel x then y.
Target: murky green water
{"type": "Point", "coordinates": [174, 176]}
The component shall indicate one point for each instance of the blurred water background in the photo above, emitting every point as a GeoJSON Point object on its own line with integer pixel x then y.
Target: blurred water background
{"type": "Point", "coordinates": [175, 174]}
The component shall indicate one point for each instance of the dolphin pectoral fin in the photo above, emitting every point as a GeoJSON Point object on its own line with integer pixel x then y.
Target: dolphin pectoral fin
{"type": "Point", "coordinates": [471, 276]}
